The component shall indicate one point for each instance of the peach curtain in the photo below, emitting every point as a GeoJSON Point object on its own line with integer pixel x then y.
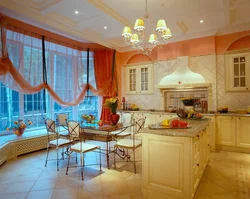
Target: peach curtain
{"type": "Point", "coordinates": [105, 77]}
{"type": "Point", "coordinates": [16, 73]}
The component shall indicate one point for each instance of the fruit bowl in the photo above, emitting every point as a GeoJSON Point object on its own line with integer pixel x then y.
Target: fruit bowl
{"type": "Point", "coordinates": [188, 101]}
{"type": "Point", "coordinates": [89, 118]}
{"type": "Point", "coordinates": [133, 109]}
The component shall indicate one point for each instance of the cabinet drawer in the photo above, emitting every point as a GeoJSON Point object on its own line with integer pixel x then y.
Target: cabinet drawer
{"type": "Point", "coordinates": [196, 148]}
{"type": "Point", "coordinates": [196, 175]}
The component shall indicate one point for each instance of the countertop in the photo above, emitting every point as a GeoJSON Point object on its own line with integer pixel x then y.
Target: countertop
{"type": "Point", "coordinates": [211, 114]}
{"type": "Point", "coordinates": [196, 126]}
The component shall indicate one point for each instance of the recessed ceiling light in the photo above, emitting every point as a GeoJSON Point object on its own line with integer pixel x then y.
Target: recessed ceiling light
{"type": "Point", "coordinates": [201, 21]}
{"type": "Point", "coordinates": [105, 27]}
{"type": "Point", "coordinates": [76, 12]}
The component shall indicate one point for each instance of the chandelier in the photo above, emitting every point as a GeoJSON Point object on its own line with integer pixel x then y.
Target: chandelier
{"type": "Point", "coordinates": [142, 39]}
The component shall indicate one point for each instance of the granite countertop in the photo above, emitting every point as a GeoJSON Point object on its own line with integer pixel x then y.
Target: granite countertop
{"type": "Point", "coordinates": [196, 126]}
{"type": "Point", "coordinates": [211, 114]}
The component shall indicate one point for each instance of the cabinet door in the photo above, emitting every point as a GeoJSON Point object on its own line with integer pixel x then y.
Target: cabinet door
{"type": "Point", "coordinates": [145, 79]}
{"type": "Point", "coordinates": [139, 79]}
{"type": "Point", "coordinates": [131, 80]}
{"type": "Point", "coordinates": [243, 132]}
{"type": "Point", "coordinates": [237, 72]}
{"type": "Point", "coordinates": [226, 130]}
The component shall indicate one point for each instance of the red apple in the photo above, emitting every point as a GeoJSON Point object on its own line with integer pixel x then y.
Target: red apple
{"type": "Point", "coordinates": [198, 115]}
{"type": "Point", "coordinates": [100, 123]}
{"type": "Point", "coordinates": [175, 123]}
{"type": "Point", "coordinates": [182, 124]}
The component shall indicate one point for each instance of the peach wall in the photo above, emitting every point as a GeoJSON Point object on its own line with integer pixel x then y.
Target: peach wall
{"type": "Point", "coordinates": [224, 41]}
{"type": "Point", "coordinates": [192, 47]}
{"type": "Point", "coordinates": [241, 43]}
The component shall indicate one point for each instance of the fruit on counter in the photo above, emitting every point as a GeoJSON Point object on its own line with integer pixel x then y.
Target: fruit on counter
{"type": "Point", "coordinates": [183, 124]}
{"type": "Point", "coordinates": [175, 123]}
{"type": "Point", "coordinates": [190, 113]}
{"type": "Point", "coordinates": [165, 122]}
{"type": "Point", "coordinates": [100, 123]}
{"type": "Point", "coordinates": [133, 106]}
{"type": "Point", "coordinates": [198, 115]}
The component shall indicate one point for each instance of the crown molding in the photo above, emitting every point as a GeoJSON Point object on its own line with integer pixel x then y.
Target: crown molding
{"type": "Point", "coordinates": [108, 10]}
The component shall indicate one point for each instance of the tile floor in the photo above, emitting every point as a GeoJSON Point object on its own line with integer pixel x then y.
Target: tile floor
{"type": "Point", "coordinates": [227, 176]}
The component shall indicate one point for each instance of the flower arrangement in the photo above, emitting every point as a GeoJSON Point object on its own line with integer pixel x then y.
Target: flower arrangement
{"type": "Point", "coordinates": [19, 126]}
{"type": "Point", "coordinates": [112, 103]}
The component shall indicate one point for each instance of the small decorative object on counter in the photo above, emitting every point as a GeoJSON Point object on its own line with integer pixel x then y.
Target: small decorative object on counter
{"type": "Point", "coordinates": [19, 127]}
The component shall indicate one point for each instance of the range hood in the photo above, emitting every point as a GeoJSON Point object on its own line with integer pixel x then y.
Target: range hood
{"type": "Point", "coordinates": [182, 77]}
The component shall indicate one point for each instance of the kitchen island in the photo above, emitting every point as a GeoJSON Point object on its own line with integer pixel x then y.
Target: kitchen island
{"type": "Point", "coordinates": [173, 160]}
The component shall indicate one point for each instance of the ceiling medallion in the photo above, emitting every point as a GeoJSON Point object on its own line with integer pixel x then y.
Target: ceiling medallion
{"type": "Point", "coordinates": [145, 40]}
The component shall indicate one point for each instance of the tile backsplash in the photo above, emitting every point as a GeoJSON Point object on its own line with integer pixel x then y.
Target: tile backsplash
{"type": "Point", "coordinates": [211, 67]}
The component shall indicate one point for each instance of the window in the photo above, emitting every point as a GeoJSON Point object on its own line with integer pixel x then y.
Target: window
{"type": "Point", "coordinates": [61, 72]}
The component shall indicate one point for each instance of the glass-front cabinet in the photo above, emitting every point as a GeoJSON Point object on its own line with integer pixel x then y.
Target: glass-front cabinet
{"type": "Point", "coordinates": [238, 72]}
{"type": "Point", "coordinates": [139, 79]}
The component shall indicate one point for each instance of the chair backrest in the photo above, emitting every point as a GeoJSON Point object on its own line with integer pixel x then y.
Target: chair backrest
{"type": "Point", "coordinates": [62, 118]}
{"type": "Point", "coordinates": [50, 125]}
{"type": "Point", "coordinates": [139, 124]}
{"type": "Point", "coordinates": [126, 118]}
{"type": "Point", "coordinates": [51, 128]}
{"type": "Point", "coordinates": [74, 129]}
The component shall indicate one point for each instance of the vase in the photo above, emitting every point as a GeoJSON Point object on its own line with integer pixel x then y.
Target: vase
{"type": "Point", "coordinates": [19, 131]}
{"type": "Point", "coordinates": [114, 118]}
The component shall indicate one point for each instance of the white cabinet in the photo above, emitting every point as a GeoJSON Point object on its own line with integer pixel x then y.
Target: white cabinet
{"type": "Point", "coordinates": [237, 70]}
{"type": "Point", "coordinates": [212, 131]}
{"type": "Point", "coordinates": [200, 157]}
{"type": "Point", "coordinates": [243, 131]}
{"type": "Point", "coordinates": [225, 130]}
{"type": "Point", "coordinates": [233, 131]}
{"type": "Point", "coordinates": [171, 163]}
{"type": "Point", "coordinates": [139, 79]}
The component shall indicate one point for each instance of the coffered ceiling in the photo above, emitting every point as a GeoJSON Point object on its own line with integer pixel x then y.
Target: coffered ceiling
{"type": "Point", "coordinates": [182, 17]}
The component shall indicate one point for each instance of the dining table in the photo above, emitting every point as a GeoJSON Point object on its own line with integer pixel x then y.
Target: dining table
{"type": "Point", "coordinates": [104, 134]}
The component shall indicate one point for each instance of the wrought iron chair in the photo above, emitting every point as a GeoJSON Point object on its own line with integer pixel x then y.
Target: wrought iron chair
{"type": "Point", "coordinates": [61, 121]}
{"type": "Point", "coordinates": [58, 143]}
{"type": "Point", "coordinates": [130, 144]}
{"type": "Point", "coordinates": [78, 146]}
{"type": "Point", "coordinates": [126, 119]}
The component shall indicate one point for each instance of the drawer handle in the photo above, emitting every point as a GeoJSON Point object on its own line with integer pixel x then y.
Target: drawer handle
{"type": "Point", "coordinates": [208, 145]}
{"type": "Point", "coordinates": [239, 118]}
{"type": "Point", "coordinates": [198, 165]}
{"type": "Point", "coordinates": [198, 136]}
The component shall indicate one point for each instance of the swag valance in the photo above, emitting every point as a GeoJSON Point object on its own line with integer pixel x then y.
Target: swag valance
{"type": "Point", "coordinates": [29, 64]}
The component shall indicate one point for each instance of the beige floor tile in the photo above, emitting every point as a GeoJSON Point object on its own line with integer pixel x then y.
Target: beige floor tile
{"type": "Point", "coordinates": [224, 196]}
{"type": "Point", "coordinates": [44, 184]}
{"type": "Point", "coordinates": [209, 188]}
{"type": "Point", "coordinates": [15, 196]}
{"type": "Point", "coordinates": [19, 187]}
{"type": "Point", "coordinates": [114, 188]}
{"type": "Point", "coordinates": [226, 176]}
{"type": "Point", "coordinates": [90, 191]}
{"type": "Point", "coordinates": [65, 193]}
{"type": "Point", "coordinates": [197, 196]}
{"type": "Point", "coordinates": [43, 194]}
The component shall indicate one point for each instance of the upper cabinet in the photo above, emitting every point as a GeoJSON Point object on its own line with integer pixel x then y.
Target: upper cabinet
{"type": "Point", "coordinates": [237, 70]}
{"type": "Point", "coordinates": [139, 79]}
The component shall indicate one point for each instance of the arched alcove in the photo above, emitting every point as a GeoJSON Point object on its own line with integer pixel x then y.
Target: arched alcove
{"type": "Point", "coordinates": [138, 58]}
{"type": "Point", "coordinates": [240, 43]}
